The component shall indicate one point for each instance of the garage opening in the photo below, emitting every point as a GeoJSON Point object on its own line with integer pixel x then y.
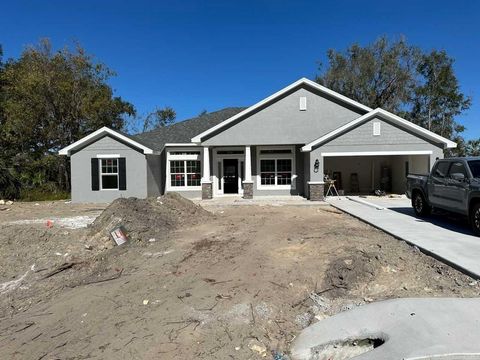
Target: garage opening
{"type": "Point", "coordinates": [365, 174]}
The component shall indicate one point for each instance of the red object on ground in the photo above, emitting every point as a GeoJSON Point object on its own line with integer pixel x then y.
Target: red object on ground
{"type": "Point", "coordinates": [49, 223]}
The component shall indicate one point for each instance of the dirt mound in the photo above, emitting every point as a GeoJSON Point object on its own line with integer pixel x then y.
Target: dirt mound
{"type": "Point", "coordinates": [146, 219]}
{"type": "Point", "coordinates": [345, 273]}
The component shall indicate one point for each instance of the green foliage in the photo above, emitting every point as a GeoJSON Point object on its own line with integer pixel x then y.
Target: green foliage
{"type": "Point", "coordinates": [472, 148]}
{"type": "Point", "coordinates": [422, 87]}
{"type": "Point", "coordinates": [9, 183]}
{"type": "Point", "coordinates": [159, 118]}
{"type": "Point", "coordinates": [378, 75]}
{"type": "Point", "coordinates": [47, 193]}
{"type": "Point", "coordinates": [49, 99]}
{"type": "Point", "coordinates": [437, 98]}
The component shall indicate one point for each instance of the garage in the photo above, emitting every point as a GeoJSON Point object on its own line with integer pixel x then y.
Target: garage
{"type": "Point", "coordinates": [366, 173]}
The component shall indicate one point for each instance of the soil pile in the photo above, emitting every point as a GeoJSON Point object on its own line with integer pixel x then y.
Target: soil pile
{"type": "Point", "coordinates": [346, 273]}
{"type": "Point", "coordinates": [146, 219]}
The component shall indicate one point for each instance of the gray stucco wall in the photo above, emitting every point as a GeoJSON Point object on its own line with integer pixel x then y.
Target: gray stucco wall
{"type": "Point", "coordinates": [361, 139]}
{"type": "Point", "coordinates": [283, 123]}
{"type": "Point", "coordinates": [136, 172]}
{"type": "Point", "coordinates": [154, 175]}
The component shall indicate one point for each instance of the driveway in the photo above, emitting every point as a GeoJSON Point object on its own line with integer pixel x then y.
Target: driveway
{"type": "Point", "coordinates": [446, 237]}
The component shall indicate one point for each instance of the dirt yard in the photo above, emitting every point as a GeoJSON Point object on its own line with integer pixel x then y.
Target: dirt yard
{"type": "Point", "coordinates": [240, 282]}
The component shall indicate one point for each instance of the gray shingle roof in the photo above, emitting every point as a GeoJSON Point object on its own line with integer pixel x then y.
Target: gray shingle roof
{"type": "Point", "coordinates": [184, 131]}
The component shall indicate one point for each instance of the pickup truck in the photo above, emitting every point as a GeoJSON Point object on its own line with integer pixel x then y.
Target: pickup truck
{"type": "Point", "coordinates": [453, 185]}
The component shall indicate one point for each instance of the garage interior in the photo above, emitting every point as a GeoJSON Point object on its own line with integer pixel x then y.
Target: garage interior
{"type": "Point", "coordinates": [365, 174]}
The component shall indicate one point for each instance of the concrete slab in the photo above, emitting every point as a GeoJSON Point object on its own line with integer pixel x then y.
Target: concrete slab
{"type": "Point", "coordinates": [428, 328]}
{"type": "Point", "coordinates": [237, 200]}
{"type": "Point", "coordinates": [446, 238]}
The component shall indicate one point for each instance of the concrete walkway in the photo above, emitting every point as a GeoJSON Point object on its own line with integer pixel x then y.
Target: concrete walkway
{"type": "Point", "coordinates": [425, 328]}
{"type": "Point", "coordinates": [446, 238]}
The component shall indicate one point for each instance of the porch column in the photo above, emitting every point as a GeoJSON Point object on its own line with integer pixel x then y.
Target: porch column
{"type": "Point", "coordinates": [248, 183]}
{"type": "Point", "coordinates": [206, 182]}
{"type": "Point", "coordinates": [316, 185]}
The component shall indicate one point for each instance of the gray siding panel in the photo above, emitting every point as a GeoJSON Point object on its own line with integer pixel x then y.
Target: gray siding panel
{"type": "Point", "coordinates": [81, 172]}
{"type": "Point", "coordinates": [363, 135]}
{"type": "Point", "coordinates": [283, 123]}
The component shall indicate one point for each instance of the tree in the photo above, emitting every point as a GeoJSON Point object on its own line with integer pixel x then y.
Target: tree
{"type": "Point", "coordinates": [51, 99]}
{"type": "Point", "coordinates": [472, 148]}
{"type": "Point", "coordinates": [159, 118]}
{"type": "Point", "coordinates": [437, 98]}
{"type": "Point", "coordinates": [378, 75]}
{"type": "Point", "coordinates": [422, 87]}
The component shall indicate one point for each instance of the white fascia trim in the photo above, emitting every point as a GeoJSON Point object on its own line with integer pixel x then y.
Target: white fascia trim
{"type": "Point", "coordinates": [67, 150]}
{"type": "Point", "coordinates": [378, 153]}
{"type": "Point", "coordinates": [302, 81]}
{"type": "Point", "coordinates": [388, 115]}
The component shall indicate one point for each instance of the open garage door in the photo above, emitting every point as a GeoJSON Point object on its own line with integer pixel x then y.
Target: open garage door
{"type": "Point", "coordinates": [363, 174]}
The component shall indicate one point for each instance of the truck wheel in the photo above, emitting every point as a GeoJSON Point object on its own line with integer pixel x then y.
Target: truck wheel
{"type": "Point", "coordinates": [419, 205]}
{"type": "Point", "coordinates": [475, 219]}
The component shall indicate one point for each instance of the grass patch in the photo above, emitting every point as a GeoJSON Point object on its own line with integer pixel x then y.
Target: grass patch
{"type": "Point", "coordinates": [42, 195]}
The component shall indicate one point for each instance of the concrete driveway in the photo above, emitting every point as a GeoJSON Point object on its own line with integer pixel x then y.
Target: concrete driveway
{"type": "Point", "coordinates": [446, 237]}
{"type": "Point", "coordinates": [429, 328]}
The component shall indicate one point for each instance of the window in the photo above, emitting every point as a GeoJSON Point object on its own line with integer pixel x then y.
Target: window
{"type": "Point", "coordinates": [185, 153]}
{"type": "Point", "coordinates": [109, 174]}
{"type": "Point", "coordinates": [185, 173]}
{"type": "Point", "coordinates": [457, 168]}
{"type": "Point", "coordinates": [441, 169]}
{"type": "Point", "coordinates": [276, 151]}
{"type": "Point", "coordinates": [276, 172]}
{"type": "Point", "coordinates": [474, 166]}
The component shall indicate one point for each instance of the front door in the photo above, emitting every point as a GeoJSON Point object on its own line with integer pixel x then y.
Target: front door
{"type": "Point", "coordinates": [230, 176]}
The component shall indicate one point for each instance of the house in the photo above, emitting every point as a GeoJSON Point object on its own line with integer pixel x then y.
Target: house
{"type": "Point", "coordinates": [282, 145]}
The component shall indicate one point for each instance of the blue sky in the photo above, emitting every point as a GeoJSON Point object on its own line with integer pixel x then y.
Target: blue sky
{"type": "Point", "coordinates": [196, 55]}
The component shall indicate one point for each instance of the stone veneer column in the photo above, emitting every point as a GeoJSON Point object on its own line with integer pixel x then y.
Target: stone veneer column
{"type": "Point", "coordinates": [316, 191]}
{"type": "Point", "coordinates": [248, 190]}
{"type": "Point", "coordinates": [206, 190]}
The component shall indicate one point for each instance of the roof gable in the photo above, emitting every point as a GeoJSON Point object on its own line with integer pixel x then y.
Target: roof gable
{"type": "Point", "coordinates": [382, 114]}
{"type": "Point", "coordinates": [303, 82]}
{"type": "Point", "coordinates": [100, 133]}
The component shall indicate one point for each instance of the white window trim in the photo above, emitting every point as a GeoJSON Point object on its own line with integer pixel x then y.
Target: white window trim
{"type": "Point", "coordinates": [218, 177]}
{"type": "Point", "coordinates": [170, 157]}
{"type": "Point", "coordinates": [377, 128]}
{"type": "Point", "coordinates": [101, 174]}
{"type": "Point", "coordinates": [290, 156]}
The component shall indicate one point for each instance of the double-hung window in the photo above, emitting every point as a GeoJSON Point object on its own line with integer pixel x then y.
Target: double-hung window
{"type": "Point", "coordinates": [185, 170]}
{"type": "Point", "coordinates": [109, 174]}
{"type": "Point", "coordinates": [276, 168]}
{"type": "Point", "coordinates": [185, 173]}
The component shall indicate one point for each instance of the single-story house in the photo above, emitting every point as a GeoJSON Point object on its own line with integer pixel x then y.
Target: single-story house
{"type": "Point", "coordinates": [282, 145]}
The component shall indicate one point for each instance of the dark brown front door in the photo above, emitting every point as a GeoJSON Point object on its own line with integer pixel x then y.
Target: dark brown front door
{"type": "Point", "coordinates": [230, 176]}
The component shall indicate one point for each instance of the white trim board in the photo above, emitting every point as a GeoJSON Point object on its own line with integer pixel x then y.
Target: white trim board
{"type": "Point", "coordinates": [387, 115]}
{"type": "Point", "coordinates": [97, 134]}
{"type": "Point", "coordinates": [377, 153]}
{"type": "Point", "coordinates": [302, 81]}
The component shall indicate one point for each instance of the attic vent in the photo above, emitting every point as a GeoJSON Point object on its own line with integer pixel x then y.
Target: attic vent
{"type": "Point", "coordinates": [376, 129]}
{"type": "Point", "coordinates": [303, 103]}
